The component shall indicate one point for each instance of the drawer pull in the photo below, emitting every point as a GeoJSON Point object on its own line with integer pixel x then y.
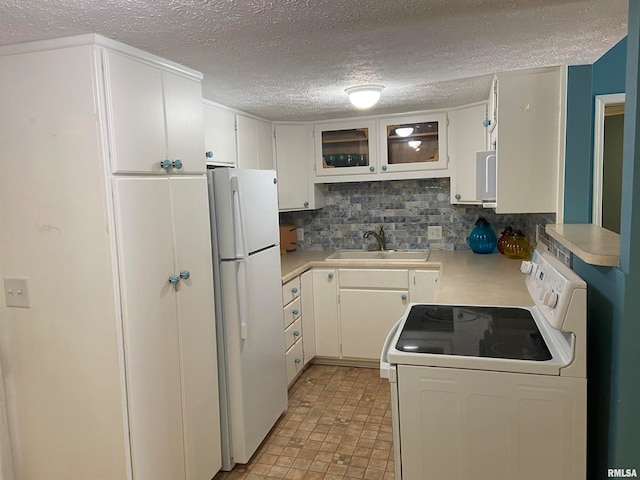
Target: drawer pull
{"type": "Point", "coordinates": [294, 290]}
{"type": "Point", "coordinates": [295, 311]}
{"type": "Point", "coordinates": [298, 360]}
{"type": "Point", "coordinates": [296, 333]}
{"type": "Point", "coordinates": [403, 296]}
{"type": "Point", "coordinates": [331, 275]}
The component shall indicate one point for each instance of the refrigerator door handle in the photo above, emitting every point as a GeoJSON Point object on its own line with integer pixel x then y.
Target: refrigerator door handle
{"type": "Point", "coordinates": [241, 278]}
{"type": "Point", "coordinates": [238, 224]}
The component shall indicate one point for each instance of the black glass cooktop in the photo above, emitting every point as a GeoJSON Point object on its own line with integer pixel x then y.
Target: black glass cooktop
{"type": "Point", "coordinates": [498, 332]}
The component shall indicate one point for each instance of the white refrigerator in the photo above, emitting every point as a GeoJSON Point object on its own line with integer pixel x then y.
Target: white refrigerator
{"type": "Point", "coordinates": [249, 315]}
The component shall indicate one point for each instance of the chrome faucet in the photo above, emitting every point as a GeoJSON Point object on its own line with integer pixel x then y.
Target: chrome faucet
{"type": "Point", "coordinates": [381, 240]}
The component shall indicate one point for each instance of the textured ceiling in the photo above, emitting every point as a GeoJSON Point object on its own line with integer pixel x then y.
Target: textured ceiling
{"type": "Point", "coordinates": [292, 59]}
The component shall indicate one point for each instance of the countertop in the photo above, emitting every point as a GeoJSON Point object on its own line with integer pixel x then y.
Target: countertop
{"type": "Point", "coordinates": [591, 243]}
{"type": "Point", "coordinates": [465, 277]}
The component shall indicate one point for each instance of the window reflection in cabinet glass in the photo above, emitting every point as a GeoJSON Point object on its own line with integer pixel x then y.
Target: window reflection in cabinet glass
{"type": "Point", "coordinates": [412, 143]}
{"type": "Point", "coordinates": [345, 148]}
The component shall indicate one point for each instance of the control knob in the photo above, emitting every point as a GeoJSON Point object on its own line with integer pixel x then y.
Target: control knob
{"type": "Point", "coordinates": [548, 297]}
{"type": "Point", "coordinates": [526, 267]}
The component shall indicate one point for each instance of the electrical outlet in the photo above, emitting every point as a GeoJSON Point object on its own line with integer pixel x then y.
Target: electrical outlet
{"type": "Point", "coordinates": [16, 292]}
{"type": "Point", "coordinates": [434, 233]}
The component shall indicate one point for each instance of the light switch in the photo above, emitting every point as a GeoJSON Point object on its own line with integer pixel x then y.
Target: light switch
{"type": "Point", "coordinates": [16, 292]}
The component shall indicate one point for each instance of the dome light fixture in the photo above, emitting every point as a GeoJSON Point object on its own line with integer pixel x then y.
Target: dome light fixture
{"type": "Point", "coordinates": [364, 96]}
{"type": "Point", "coordinates": [404, 131]}
{"type": "Point", "coordinates": [414, 143]}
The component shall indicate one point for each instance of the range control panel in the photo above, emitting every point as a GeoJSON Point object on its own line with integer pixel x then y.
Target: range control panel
{"type": "Point", "coordinates": [551, 284]}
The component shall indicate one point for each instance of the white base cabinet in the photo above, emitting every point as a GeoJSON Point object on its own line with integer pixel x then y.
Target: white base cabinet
{"type": "Point", "coordinates": [355, 308]}
{"type": "Point", "coordinates": [308, 316]}
{"type": "Point", "coordinates": [471, 424]}
{"type": "Point", "coordinates": [161, 224]}
{"type": "Point", "coordinates": [371, 302]}
{"type": "Point", "coordinates": [325, 304]}
{"type": "Point", "coordinates": [111, 374]}
{"type": "Point", "coordinates": [299, 334]}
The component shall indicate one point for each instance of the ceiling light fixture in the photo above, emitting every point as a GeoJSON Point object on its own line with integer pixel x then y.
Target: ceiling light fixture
{"type": "Point", "coordinates": [364, 96]}
{"type": "Point", "coordinates": [404, 131]}
{"type": "Point", "coordinates": [414, 143]}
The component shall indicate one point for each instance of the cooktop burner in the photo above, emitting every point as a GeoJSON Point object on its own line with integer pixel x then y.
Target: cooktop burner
{"type": "Point", "coordinates": [498, 332]}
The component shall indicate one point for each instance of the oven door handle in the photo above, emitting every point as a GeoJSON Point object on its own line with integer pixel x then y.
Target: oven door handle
{"type": "Point", "coordinates": [386, 370]}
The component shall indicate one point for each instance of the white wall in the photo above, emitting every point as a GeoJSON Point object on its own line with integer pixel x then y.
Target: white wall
{"type": "Point", "coordinates": [60, 357]}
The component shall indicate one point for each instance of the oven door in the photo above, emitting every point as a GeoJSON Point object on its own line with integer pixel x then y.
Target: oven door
{"type": "Point", "coordinates": [389, 371]}
{"type": "Point", "coordinates": [463, 424]}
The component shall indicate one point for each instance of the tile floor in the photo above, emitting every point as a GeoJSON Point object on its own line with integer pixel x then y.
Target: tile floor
{"type": "Point", "coordinates": [337, 427]}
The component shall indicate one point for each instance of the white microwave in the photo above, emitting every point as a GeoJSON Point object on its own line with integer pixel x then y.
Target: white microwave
{"type": "Point", "coordinates": [486, 176]}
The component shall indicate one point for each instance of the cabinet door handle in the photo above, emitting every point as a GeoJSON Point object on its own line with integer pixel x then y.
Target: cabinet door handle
{"type": "Point", "coordinates": [297, 360]}
{"type": "Point", "coordinates": [177, 164]}
{"type": "Point", "coordinates": [330, 275]}
{"type": "Point", "coordinates": [306, 204]}
{"type": "Point", "coordinates": [403, 296]}
{"type": "Point", "coordinates": [372, 169]}
{"type": "Point", "coordinates": [209, 154]}
{"type": "Point", "coordinates": [165, 164]}
{"type": "Point", "coordinates": [185, 274]}
{"type": "Point", "coordinates": [486, 122]}
{"type": "Point", "coordinates": [295, 312]}
{"type": "Point", "coordinates": [384, 168]}
{"type": "Point", "coordinates": [296, 333]}
{"type": "Point", "coordinates": [174, 279]}
{"type": "Point", "coordinates": [458, 196]}
{"type": "Point", "coordinates": [294, 290]}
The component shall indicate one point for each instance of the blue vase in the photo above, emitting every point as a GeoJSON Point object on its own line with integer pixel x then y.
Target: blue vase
{"type": "Point", "coordinates": [482, 238]}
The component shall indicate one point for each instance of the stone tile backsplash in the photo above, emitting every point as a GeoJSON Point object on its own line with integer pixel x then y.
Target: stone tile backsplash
{"type": "Point", "coordinates": [405, 208]}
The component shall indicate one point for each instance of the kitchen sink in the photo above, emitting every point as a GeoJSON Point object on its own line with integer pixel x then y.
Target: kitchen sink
{"type": "Point", "coordinates": [390, 255]}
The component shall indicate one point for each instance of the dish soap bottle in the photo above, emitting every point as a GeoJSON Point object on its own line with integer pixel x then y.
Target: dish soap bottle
{"type": "Point", "coordinates": [482, 238]}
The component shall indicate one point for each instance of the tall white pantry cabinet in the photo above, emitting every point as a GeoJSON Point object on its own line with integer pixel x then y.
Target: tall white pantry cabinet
{"type": "Point", "coordinates": [111, 373]}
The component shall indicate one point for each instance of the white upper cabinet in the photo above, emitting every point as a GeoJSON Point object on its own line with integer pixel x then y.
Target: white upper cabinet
{"type": "Point", "coordinates": [529, 125]}
{"type": "Point", "coordinates": [467, 135]}
{"type": "Point", "coordinates": [219, 135]}
{"type": "Point", "coordinates": [372, 149]}
{"type": "Point", "coordinates": [346, 148]}
{"type": "Point", "coordinates": [154, 118]}
{"type": "Point", "coordinates": [413, 143]}
{"type": "Point", "coordinates": [294, 153]}
{"type": "Point", "coordinates": [255, 143]}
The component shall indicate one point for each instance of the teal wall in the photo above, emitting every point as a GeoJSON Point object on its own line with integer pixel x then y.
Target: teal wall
{"type": "Point", "coordinates": [613, 293]}
{"type": "Point", "coordinates": [579, 146]}
{"type": "Point", "coordinates": [626, 358]}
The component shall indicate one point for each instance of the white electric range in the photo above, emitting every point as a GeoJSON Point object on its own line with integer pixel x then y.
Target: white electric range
{"type": "Point", "coordinates": [492, 392]}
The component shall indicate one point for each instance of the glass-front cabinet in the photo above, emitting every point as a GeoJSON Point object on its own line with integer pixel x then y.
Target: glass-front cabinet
{"type": "Point", "coordinates": [410, 143]}
{"type": "Point", "coordinates": [346, 148]}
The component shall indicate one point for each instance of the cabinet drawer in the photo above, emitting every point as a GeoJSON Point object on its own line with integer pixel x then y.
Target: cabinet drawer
{"type": "Point", "coordinates": [294, 361]}
{"type": "Point", "coordinates": [373, 278]}
{"type": "Point", "coordinates": [290, 290]}
{"type": "Point", "coordinates": [293, 333]}
{"type": "Point", "coordinates": [292, 312]}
